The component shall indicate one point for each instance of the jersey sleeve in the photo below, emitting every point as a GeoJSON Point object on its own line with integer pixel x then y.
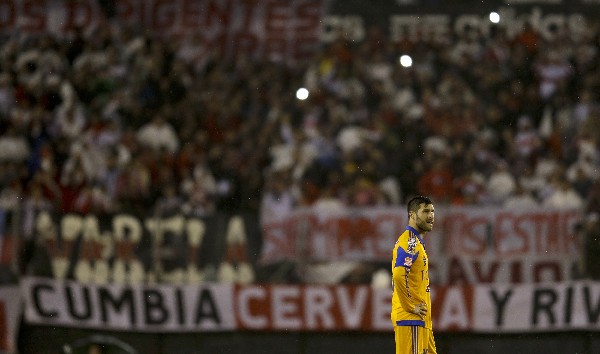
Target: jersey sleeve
{"type": "Point", "coordinates": [406, 253]}
{"type": "Point", "coordinates": [404, 258]}
{"type": "Point", "coordinates": [404, 281]}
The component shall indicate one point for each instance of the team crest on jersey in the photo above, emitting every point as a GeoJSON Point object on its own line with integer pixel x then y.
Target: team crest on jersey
{"type": "Point", "coordinates": [408, 261]}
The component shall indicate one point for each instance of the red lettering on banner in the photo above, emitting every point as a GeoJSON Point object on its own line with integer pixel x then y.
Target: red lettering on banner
{"type": "Point", "coordinates": [354, 233]}
{"type": "Point", "coordinates": [520, 232]}
{"type": "Point", "coordinates": [452, 310]}
{"type": "Point", "coordinates": [308, 20]}
{"type": "Point", "coordinates": [540, 233]}
{"type": "Point", "coordinates": [244, 38]}
{"type": "Point", "coordinates": [251, 307]}
{"type": "Point", "coordinates": [270, 28]}
{"type": "Point", "coordinates": [507, 241]}
{"type": "Point", "coordinates": [467, 235]}
{"type": "Point", "coordinates": [572, 242]}
{"type": "Point", "coordinates": [308, 17]}
{"type": "Point", "coordinates": [552, 234]}
{"type": "Point", "coordinates": [7, 7]}
{"type": "Point", "coordinates": [34, 12]}
{"type": "Point", "coordinates": [312, 308]}
{"type": "Point", "coordinates": [538, 222]}
{"type": "Point", "coordinates": [277, 18]}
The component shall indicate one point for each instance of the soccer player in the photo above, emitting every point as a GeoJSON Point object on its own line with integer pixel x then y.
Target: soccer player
{"type": "Point", "coordinates": [411, 300]}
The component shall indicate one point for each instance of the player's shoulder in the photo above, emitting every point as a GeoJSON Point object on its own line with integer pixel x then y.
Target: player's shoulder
{"type": "Point", "coordinates": [408, 241]}
{"type": "Point", "coordinates": [406, 238]}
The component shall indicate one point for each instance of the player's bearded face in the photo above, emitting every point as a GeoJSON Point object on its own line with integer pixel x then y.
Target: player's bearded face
{"type": "Point", "coordinates": [425, 217]}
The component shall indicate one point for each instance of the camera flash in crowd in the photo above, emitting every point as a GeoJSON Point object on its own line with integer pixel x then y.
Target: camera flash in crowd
{"type": "Point", "coordinates": [494, 17]}
{"type": "Point", "coordinates": [302, 93]}
{"type": "Point", "coordinates": [406, 61]}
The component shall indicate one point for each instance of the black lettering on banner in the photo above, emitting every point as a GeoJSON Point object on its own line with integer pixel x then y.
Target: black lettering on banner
{"type": "Point", "coordinates": [86, 312]}
{"type": "Point", "coordinates": [568, 305]}
{"type": "Point", "coordinates": [592, 313]}
{"type": "Point", "coordinates": [180, 306]}
{"type": "Point", "coordinates": [206, 298]}
{"type": "Point", "coordinates": [108, 301]}
{"type": "Point", "coordinates": [37, 289]}
{"type": "Point", "coordinates": [154, 307]}
{"type": "Point", "coordinates": [543, 300]}
{"type": "Point", "coordinates": [500, 303]}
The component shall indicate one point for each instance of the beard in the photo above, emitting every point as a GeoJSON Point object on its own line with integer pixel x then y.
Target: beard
{"type": "Point", "coordinates": [424, 226]}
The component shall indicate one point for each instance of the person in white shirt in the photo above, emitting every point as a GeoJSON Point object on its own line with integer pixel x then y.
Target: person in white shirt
{"type": "Point", "coordinates": [501, 183]}
{"type": "Point", "coordinates": [159, 134]}
{"type": "Point", "coordinates": [563, 196]}
{"type": "Point", "coordinates": [521, 199]}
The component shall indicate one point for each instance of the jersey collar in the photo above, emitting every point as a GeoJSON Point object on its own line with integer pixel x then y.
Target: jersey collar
{"type": "Point", "coordinates": [412, 229]}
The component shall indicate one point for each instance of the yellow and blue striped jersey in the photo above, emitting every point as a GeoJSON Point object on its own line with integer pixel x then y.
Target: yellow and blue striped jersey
{"type": "Point", "coordinates": [410, 280]}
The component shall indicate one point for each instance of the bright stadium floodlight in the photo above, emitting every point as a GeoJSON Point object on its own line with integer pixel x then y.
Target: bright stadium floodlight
{"type": "Point", "coordinates": [406, 61]}
{"type": "Point", "coordinates": [494, 17]}
{"type": "Point", "coordinates": [302, 93]}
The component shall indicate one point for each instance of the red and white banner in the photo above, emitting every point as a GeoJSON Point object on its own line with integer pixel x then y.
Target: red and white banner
{"type": "Point", "coordinates": [269, 28]}
{"type": "Point", "coordinates": [10, 314]}
{"type": "Point", "coordinates": [467, 245]}
{"type": "Point", "coordinates": [158, 308]}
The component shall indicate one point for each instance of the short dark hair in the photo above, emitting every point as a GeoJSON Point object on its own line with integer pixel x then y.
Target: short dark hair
{"type": "Point", "coordinates": [415, 202]}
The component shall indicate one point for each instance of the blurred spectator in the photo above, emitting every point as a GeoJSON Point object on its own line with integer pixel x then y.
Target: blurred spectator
{"type": "Point", "coordinates": [169, 202]}
{"type": "Point", "coordinates": [437, 180]}
{"type": "Point", "coordinates": [34, 202]}
{"type": "Point", "coordinates": [527, 141]}
{"type": "Point", "coordinates": [521, 198]}
{"type": "Point", "coordinates": [116, 120]}
{"type": "Point", "coordinates": [563, 196]}
{"type": "Point", "coordinates": [13, 146]}
{"type": "Point", "coordinates": [200, 199]}
{"type": "Point", "coordinates": [69, 121]}
{"type": "Point", "coordinates": [501, 183]}
{"type": "Point", "coordinates": [277, 199]}
{"type": "Point", "coordinates": [158, 134]}
{"type": "Point", "coordinates": [133, 187]}
{"type": "Point", "coordinates": [7, 94]}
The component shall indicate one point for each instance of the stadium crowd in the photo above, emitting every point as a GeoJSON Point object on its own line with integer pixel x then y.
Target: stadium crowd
{"type": "Point", "coordinates": [114, 120]}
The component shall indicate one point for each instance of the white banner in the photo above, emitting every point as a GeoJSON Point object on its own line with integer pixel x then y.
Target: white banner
{"type": "Point", "coordinates": [525, 308]}
{"type": "Point", "coordinates": [467, 244]}
{"type": "Point", "coordinates": [494, 308]}
{"type": "Point", "coordinates": [161, 308]}
{"type": "Point", "coordinates": [269, 28]}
